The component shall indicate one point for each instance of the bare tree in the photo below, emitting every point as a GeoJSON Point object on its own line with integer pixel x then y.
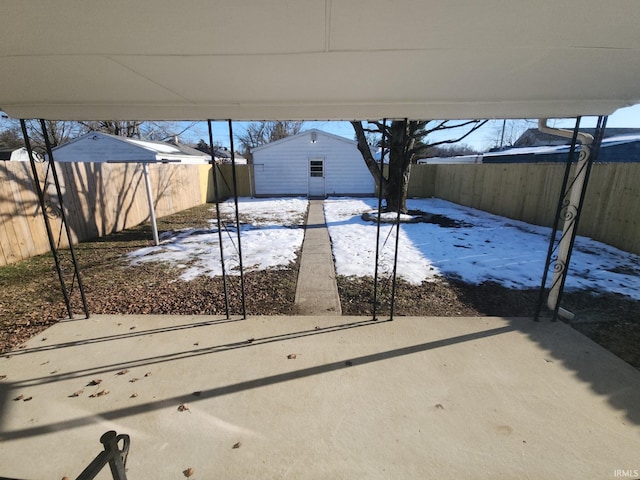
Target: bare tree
{"type": "Point", "coordinates": [507, 132]}
{"type": "Point", "coordinates": [405, 141]}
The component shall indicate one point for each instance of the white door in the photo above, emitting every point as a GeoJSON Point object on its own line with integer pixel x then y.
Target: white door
{"type": "Point", "coordinates": [316, 177]}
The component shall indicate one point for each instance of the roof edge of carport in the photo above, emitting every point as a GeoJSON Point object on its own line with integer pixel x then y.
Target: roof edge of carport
{"type": "Point", "coordinates": [320, 111]}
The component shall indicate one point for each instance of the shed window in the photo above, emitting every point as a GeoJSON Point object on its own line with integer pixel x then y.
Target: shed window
{"type": "Point", "coordinates": [316, 168]}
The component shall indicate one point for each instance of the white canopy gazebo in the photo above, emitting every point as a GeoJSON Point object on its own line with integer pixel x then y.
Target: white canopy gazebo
{"type": "Point", "coordinates": [318, 59]}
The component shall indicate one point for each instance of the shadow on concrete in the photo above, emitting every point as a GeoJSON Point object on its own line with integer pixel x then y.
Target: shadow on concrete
{"type": "Point", "coordinates": [237, 387]}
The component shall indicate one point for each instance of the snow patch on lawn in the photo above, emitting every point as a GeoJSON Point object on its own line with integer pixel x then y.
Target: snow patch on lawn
{"type": "Point", "coordinates": [492, 248]}
{"type": "Point", "coordinates": [271, 234]}
{"type": "Point", "coordinates": [486, 248]}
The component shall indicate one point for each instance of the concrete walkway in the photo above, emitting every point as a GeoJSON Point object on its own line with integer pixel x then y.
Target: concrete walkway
{"type": "Point", "coordinates": [317, 291]}
{"type": "Point", "coordinates": [319, 398]}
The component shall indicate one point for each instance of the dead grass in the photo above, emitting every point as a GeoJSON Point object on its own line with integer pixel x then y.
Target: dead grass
{"type": "Point", "coordinates": [31, 298]}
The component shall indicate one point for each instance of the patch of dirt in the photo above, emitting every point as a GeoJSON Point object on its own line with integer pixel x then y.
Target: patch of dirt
{"type": "Point", "coordinates": [418, 216]}
{"type": "Point", "coordinates": [31, 299]}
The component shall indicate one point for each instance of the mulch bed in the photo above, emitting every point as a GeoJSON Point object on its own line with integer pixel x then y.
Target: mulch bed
{"type": "Point", "coordinates": [31, 299]}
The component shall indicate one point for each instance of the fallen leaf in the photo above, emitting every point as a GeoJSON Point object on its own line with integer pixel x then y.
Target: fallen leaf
{"type": "Point", "coordinates": [95, 382]}
{"type": "Point", "coordinates": [19, 397]}
{"type": "Point", "coordinates": [101, 393]}
{"type": "Point", "coordinates": [132, 328]}
{"type": "Point", "coordinates": [133, 395]}
{"type": "Point", "coordinates": [196, 344]}
{"type": "Point", "coordinates": [53, 372]}
{"type": "Point", "coordinates": [236, 445]}
{"type": "Point", "coordinates": [133, 380]}
{"type": "Point", "coordinates": [122, 372]}
{"type": "Point", "coordinates": [27, 399]}
{"type": "Point", "coordinates": [44, 339]}
{"type": "Point", "coordinates": [348, 363]}
{"type": "Point", "coordinates": [188, 472]}
{"type": "Point", "coordinates": [183, 407]}
{"type": "Point", "coordinates": [76, 394]}
{"type": "Point", "coordinates": [439, 406]}
{"type": "Point", "coordinates": [148, 374]}
{"type": "Point", "coordinates": [196, 394]}
{"type": "Point", "coordinates": [65, 478]}
{"type": "Point", "coordinates": [251, 340]}
{"type": "Point", "coordinates": [2, 377]}
{"type": "Point", "coordinates": [291, 356]}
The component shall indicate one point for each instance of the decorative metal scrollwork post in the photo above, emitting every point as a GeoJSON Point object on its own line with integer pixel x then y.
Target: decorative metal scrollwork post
{"type": "Point", "coordinates": [568, 212]}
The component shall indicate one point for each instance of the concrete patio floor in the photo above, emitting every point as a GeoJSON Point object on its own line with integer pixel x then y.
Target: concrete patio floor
{"type": "Point", "coordinates": [482, 398]}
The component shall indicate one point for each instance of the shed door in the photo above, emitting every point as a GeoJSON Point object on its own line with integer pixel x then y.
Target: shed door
{"type": "Point", "coordinates": [316, 177]}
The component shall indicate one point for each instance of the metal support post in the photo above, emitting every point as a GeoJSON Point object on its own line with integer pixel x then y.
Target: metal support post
{"type": "Point", "coordinates": [47, 223]}
{"type": "Point", "coordinates": [152, 210]}
{"type": "Point", "coordinates": [219, 223]}
{"type": "Point", "coordinates": [235, 198]}
{"type": "Point", "coordinates": [63, 218]}
{"type": "Point", "coordinates": [375, 275]}
{"type": "Point", "coordinates": [569, 209]}
{"type": "Point", "coordinates": [395, 254]}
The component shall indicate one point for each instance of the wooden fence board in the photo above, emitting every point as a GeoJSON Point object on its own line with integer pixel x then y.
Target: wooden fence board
{"type": "Point", "coordinates": [529, 192]}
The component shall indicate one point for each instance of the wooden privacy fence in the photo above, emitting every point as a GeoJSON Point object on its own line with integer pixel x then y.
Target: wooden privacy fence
{"type": "Point", "coordinates": [99, 199]}
{"type": "Point", "coordinates": [104, 198]}
{"type": "Point", "coordinates": [522, 191]}
{"type": "Point", "coordinates": [529, 192]}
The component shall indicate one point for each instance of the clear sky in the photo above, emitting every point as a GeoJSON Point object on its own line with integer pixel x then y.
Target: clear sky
{"type": "Point", "coordinates": [483, 139]}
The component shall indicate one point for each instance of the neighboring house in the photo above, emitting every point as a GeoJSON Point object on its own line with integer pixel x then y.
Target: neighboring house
{"type": "Point", "coordinates": [312, 163]}
{"type": "Point", "coordinates": [100, 147]}
{"type": "Point", "coordinates": [223, 155]}
{"type": "Point", "coordinates": [620, 148]}
{"type": "Point", "coordinates": [533, 137]}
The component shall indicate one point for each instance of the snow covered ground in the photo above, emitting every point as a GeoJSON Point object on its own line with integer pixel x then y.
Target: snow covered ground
{"type": "Point", "coordinates": [271, 234]}
{"type": "Point", "coordinates": [490, 248]}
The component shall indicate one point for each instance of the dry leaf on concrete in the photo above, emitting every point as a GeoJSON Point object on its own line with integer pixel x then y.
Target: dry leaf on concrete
{"type": "Point", "coordinates": [101, 393]}
{"type": "Point", "coordinates": [188, 472]}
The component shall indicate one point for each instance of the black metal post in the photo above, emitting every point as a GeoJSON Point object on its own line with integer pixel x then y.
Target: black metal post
{"type": "Point", "coordinates": [43, 208]}
{"type": "Point", "coordinates": [395, 255]}
{"type": "Point", "coordinates": [235, 198]}
{"type": "Point", "coordinates": [595, 150]}
{"type": "Point", "coordinates": [556, 221]}
{"type": "Point", "coordinates": [63, 216]}
{"type": "Point", "coordinates": [375, 275]}
{"type": "Point", "coordinates": [219, 223]}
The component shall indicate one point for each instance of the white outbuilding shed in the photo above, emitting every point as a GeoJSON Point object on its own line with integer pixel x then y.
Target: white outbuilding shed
{"type": "Point", "coordinates": [312, 163]}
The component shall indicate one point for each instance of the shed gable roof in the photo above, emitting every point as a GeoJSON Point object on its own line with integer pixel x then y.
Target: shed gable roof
{"type": "Point", "coordinates": [304, 133]}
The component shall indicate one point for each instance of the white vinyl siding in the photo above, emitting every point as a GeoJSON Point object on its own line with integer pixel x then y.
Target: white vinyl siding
{"type": "Point", "coordinates": [284, 168]}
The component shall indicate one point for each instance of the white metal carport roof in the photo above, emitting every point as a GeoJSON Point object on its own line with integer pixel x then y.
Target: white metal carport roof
{"type": "Point", "coordinates": [317, 59]}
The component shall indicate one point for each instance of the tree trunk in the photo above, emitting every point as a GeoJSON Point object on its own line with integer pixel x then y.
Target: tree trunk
{"type": "Point", "coordinates": [365, 151]}
{"type": "Point", "coordinates": [400, 144]}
